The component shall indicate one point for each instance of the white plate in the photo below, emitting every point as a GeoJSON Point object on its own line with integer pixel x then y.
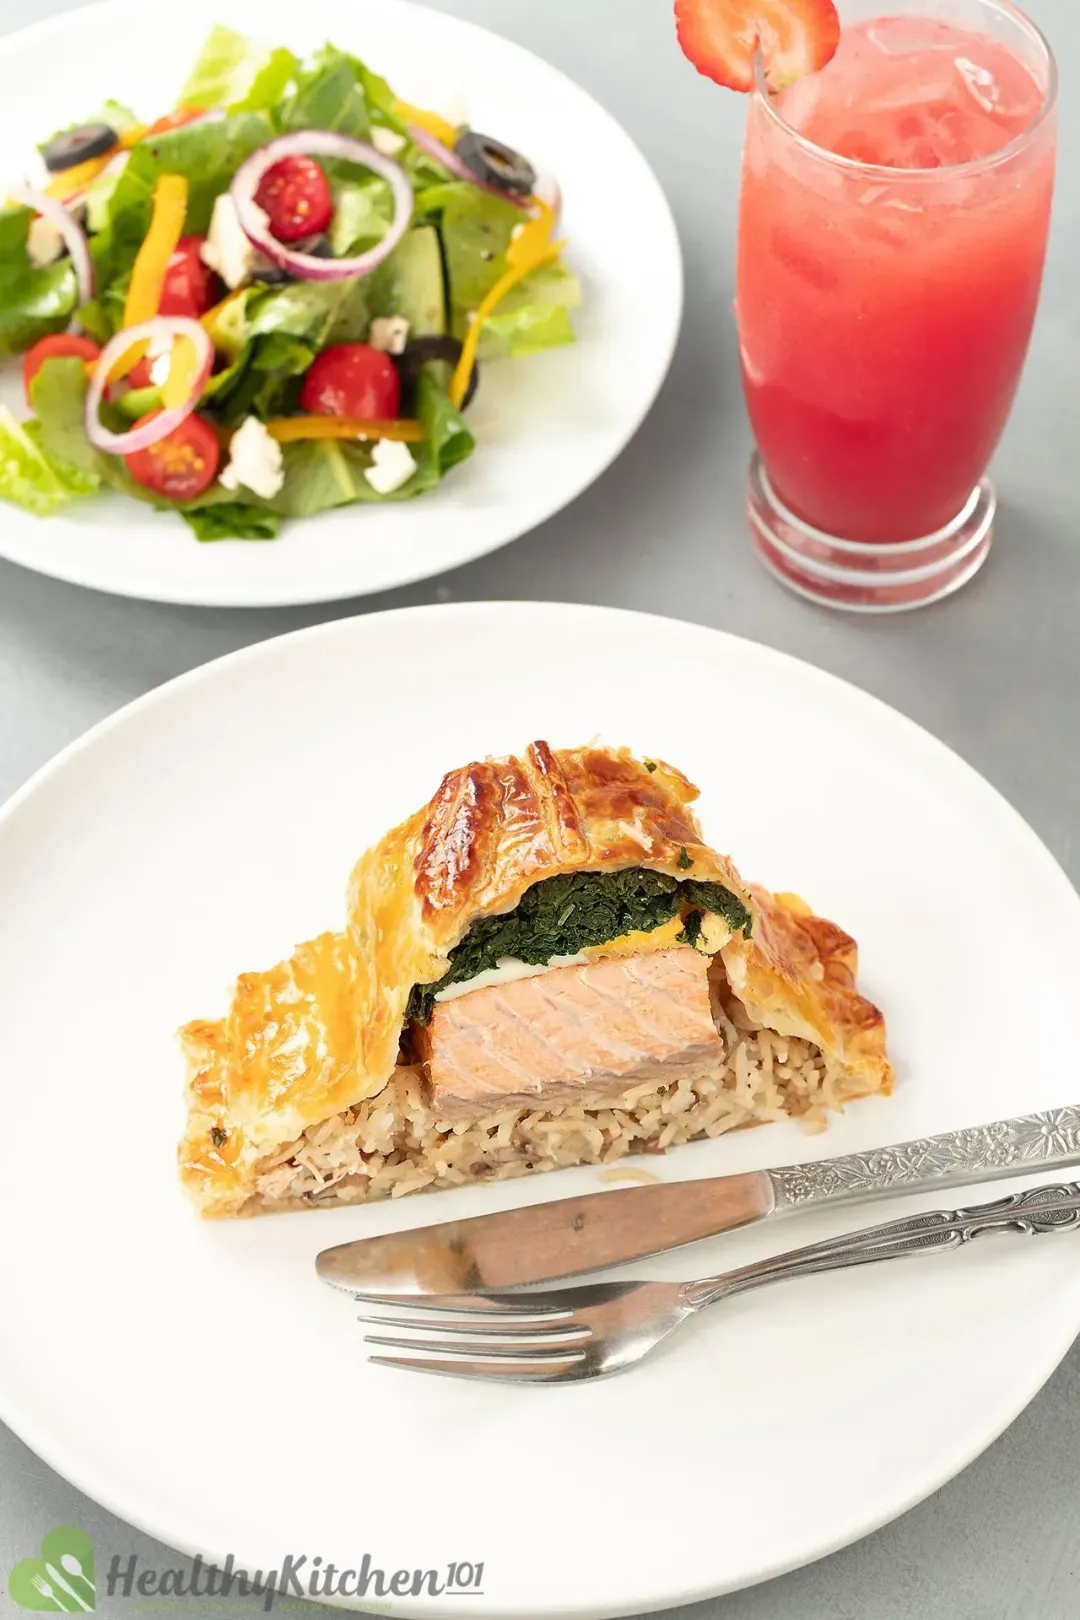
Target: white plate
{"type": "Point", "coordinates": [546, 426]}
{"type": "Point", "coordinates": [197, 1379]}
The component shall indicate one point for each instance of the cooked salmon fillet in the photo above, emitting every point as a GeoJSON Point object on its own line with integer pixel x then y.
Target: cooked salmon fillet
{"type": "Point", "coordinates": [574, 1031]}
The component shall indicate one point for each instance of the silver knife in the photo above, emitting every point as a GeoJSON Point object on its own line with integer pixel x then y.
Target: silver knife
{"type": "Point", "coordinates": [515, 1247]}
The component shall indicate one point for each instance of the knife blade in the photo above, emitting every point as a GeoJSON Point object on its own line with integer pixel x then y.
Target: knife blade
{"type": "Point", "coordinates": [543, 1242]}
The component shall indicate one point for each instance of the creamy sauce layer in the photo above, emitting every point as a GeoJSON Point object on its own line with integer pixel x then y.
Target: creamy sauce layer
{"type": "Point", "coordinates": [714, 934]}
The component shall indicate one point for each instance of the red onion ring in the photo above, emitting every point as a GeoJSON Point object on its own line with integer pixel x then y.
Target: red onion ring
{"type": "Point", "coordinates": [321, 143]}
{"type": "Point", "coordinates": [431, 144]}
{"type": "Point", "coordinates": [159, 426]}
{"type": "Point", "coordinates": [548, 190]}
{"type": "Point", "coordinates": [72, 235]}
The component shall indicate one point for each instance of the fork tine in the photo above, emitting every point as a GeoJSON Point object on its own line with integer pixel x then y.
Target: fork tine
{"type": "Point", "coordinates": [469, 1304]}
{"type": "Point", "coordinates": [477, 1350]}
{"type": "Point", "coordinates": [536, 1372]}
{"type": "Point", "coordinates": [480, 1326]}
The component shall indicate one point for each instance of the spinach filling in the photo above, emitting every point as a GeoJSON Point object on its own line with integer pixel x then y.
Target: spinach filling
{"type": "Point", "coordinates": [564, 915]}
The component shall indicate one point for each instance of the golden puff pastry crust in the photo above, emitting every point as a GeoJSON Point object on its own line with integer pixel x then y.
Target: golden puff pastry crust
{"type": "Point", "coordinates": [796, 974]}
{"type": "Point", "coordinates": [321, 1032]}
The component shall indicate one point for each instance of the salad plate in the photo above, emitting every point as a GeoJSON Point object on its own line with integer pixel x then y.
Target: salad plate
{"type": "Point", "coordinates": [241, 1416]}
{"type": "Point", "coordinates": [569, 361]}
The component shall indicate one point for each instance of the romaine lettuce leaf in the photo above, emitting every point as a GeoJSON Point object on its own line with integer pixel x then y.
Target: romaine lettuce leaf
{"type": "Point", "coordinates": [382, 102]}
{"type": "Point", "coordinates": [447, 438]}
{"type": "Point", "coordinates": [33, 301]}
{"type": "Point", "coordinates": [329, 95]}
{"type": "Point", "coordinates": [308, 310]}
{"type": "Point", "coordinates": [534, 315]}
{"type": "Point", "coordinates": [362, 213]}
{"type": "Point", "coordinates": [237, 74]}
{"type": "Point", "coordinates": [32, 478]}
{"type": "Point", "coordinates": [321, 474]}
{"type": "Point", "coordinates": [476, 230]}
{"type": "Point", "coordinates": [379, 98]}
{"type": "Point", "coordinates": [232, 520]}
{"type": "Point", "coordinates": [324, 473]}
{"type": "Point", "coordinates": [58, 396]}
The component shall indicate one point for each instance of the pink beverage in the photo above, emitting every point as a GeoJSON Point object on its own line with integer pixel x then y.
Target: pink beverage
{"type": "Point", "coordinates": [893, 227]}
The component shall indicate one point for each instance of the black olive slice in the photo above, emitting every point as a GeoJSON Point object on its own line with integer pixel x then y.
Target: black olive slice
{"type": "Point", "coordinates": [495, 164]}
{"type": "Point", "coordinates": [268, 275]}
{"type": "Point", "coordinates": [78, 146]}
{"type": "Point", "coordinates": [418, 351]}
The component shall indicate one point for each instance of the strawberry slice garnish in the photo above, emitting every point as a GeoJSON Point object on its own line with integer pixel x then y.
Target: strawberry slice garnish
{"type": "Point", "coordinates": [722, 37]}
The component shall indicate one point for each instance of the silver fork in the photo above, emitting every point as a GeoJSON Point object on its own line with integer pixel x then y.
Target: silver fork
{"type": "Point", "coordinates": [565, 1335]}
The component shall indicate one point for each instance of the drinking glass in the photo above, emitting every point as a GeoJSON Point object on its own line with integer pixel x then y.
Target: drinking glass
{"type": "Point", "coordinates": [884, 315]}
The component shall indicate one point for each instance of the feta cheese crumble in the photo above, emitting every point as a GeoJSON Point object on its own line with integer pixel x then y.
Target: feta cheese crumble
{"type": "Point", "coordinates": [392, 466]}
{"type": "Point", "coordinates": [389, 333]}
{"type": "Point", "coordinates": [159, 370]}
{"type": "Point", "coordinates": [255, 460]}
{"type": "Point", "coordinates": [386, 141]}
{"type": "Point", "coordinates": [44, 243]}
{"type": "Point", "coordinates": [226, 249]}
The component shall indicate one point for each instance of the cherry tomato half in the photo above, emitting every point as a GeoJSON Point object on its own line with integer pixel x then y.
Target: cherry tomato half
{"type": "Point", "coordinates": [295, 195]}
{"type": "Point", "coordinates": [190, 287]}
{"type": "Point", "coordinates": [352, 379]}
{"type": "Point", "coordinates": [174, 120]}
{"type": "Point", "coordinates": [181, 465]}
{"type": "Point", "coordinates": [139, 375]}
{"type": "Point", "coordinates": [61, 346]}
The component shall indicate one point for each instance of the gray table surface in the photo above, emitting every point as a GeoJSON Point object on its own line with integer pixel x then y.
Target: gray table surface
{"type": "Point", "coordinates": [994, 672]}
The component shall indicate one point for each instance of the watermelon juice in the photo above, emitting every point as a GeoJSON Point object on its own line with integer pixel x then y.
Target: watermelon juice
{"type": "Point", "coordinates": [892, 232]}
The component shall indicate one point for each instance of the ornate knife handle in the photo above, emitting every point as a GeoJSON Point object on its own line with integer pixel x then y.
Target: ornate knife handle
{"type": "Point", "coordinates": [1007, 1147]}
{"type": "Point", "coordinates": [1032, 1212]}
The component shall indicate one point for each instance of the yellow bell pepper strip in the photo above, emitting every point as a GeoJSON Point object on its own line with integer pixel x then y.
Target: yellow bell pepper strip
{"type": "Point", "coordinates": [291, 429]}
{"type": "Point", "coordinates": [78, 176]}
{"type": "Point", "coordinates": [441, 128]}
{"type": "Point", "coordinates": [166, 228]}
{"type": "Point", "coordinates": [131, 136]}
{"type": "Point", "coordinates": [180, 382]}
{"type": "Point", "coordinates": [151, 262]}
{"type": "Point", "coordinates": [531, 249]}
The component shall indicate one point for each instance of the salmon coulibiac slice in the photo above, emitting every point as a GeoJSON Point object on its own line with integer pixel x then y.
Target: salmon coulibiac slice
{"type": "Point", "coordinates": [544, 966]}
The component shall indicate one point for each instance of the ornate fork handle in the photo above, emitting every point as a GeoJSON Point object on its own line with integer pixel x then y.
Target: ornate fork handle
{"type": "Point", "coordinates": [1033, 1212]}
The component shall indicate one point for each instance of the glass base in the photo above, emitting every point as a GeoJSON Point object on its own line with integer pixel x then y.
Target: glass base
{"type": "Point", "coordinates": [868, 578]}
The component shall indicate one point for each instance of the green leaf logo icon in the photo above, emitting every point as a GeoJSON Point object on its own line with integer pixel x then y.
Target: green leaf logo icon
{"type": "Point", "coordinates": [60, 1579]}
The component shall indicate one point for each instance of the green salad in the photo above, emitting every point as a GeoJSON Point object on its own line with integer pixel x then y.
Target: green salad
{"type": "Point", "coordinates": [277, 298]}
